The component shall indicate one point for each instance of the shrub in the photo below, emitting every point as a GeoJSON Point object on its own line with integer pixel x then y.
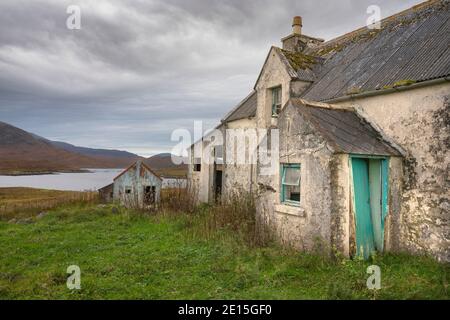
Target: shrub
{"type": "Point", "coordinates": [235, 215]}
{"type": "Point", "coordinates": [180, 198]}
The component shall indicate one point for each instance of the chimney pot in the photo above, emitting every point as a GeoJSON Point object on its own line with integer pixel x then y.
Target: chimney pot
{"type": "Point", "coordinates": [297, 25]}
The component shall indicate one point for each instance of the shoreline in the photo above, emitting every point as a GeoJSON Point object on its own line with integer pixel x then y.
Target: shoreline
{"type": "Point", "coordinates": [40, 173]}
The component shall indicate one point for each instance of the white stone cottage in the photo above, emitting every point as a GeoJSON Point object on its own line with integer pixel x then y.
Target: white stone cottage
{"type": "Point", "coordinates": [364, 135]}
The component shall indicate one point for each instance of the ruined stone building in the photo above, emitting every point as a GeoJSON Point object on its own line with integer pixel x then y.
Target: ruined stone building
{"type": "Point", "coordinates": [138, 186]}
{"type": "Point", "coordinates": [363, 138]}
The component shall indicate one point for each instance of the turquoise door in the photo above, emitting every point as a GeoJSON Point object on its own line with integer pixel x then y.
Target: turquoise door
{"type": "Point", "coordinates": [365, 243]}
{"type": "Point", "coordinates": [370, 178]}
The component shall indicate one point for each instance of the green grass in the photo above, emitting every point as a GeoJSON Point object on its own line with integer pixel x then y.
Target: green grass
{"type": "Point", "coordinates": [124, 256]}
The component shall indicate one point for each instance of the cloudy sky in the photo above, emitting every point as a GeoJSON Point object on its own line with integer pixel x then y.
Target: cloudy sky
{"type": "Point", "coordinates": [138, 69]}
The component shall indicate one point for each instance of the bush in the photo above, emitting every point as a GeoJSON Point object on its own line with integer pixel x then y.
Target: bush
{"type": "Point", "coordinates": [179, 199]}
{"type": "Point", "coordinates": [235, 215]}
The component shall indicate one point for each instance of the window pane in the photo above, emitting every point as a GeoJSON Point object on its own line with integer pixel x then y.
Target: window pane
{"type": "Point", "coordinates": [292, 176]}
{"type": "Point", "coordinates": [276, 95]}
{"type": "Point", "coordinates": [276, 101]}
{"type": "Point", "coordinates": [219, 151]}
{"type": "Point", "coordinates": [292, 193]}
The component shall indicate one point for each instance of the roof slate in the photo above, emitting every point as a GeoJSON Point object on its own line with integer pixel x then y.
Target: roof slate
{"type": "Point", "coordinates": [412, 45]}
{"type": "Point", "coordinates": [134, 165]}
{"type": "Point", "coordinates": [245, 109]}
{"type": "Point", "coordinates": [345, 130]}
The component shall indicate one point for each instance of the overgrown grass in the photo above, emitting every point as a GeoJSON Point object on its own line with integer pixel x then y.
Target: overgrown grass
{"type": "Point", "coordinates": [234, 216]}
{"type": "Point", "coordinates": [24, 203]}
{"type": "Point", "coordinates": [129, 255]}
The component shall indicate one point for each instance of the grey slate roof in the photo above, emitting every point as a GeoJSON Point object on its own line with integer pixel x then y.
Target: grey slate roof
{"type": "Point", "coordinates": [245, 109]}
{"type": "Point", "coordinates": [412, 46]}
{"type": "Point", "coordinates": [344, 129]}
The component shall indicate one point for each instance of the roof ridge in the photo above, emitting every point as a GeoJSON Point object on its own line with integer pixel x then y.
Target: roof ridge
{"type": "Point", "coordinates": [361, 30]}
{"type": "Point", "coordinates": [142, 163]}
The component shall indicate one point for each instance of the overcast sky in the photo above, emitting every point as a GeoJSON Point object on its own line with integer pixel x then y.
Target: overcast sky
{"type": "Point", "coordinates": [137, 70]}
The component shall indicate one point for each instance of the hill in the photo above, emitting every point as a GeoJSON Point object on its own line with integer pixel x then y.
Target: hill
{"type": "Point", "coordinates": [162, 163]}
{"type": "Point", "coordinates": [22, 152]}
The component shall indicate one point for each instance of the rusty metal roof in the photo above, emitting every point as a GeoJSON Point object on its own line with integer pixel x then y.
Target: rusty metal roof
{"type": "Point", "coordinates": [135, 164]}
{"type": "Point", "coordinates": [345, 130]}
{"type": "Point", "coordinates": [245, 109]}
{"type": "Point", "coordinates": [412, 46]}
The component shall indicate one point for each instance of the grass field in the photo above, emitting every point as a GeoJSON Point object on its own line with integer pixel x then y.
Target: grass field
{"type": "Point", "coordinates": [125, 255]}
{"type": "Point", "coordinates": [19, 203]}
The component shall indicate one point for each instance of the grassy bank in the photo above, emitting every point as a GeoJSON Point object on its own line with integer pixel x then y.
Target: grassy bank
{"type": "Point", "coordinates": [124, 255]}
{"type": "Point", "coordinates": [23, 203]}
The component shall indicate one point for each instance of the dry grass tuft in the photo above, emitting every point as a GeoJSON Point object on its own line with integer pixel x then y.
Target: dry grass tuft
{"type": "Point", "coordinates": [19, 203]}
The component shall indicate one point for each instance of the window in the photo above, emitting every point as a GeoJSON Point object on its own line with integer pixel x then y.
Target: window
{"type": "Point", "coordinates": [276, 101]}
{"type": "Point", "coordinates": [127, 190]}
{"type": "Point", "coordinates": [290, 183]}
{"type": "Point", "coordinates": [218, 154]}
{"type": "Point", "coordinates": [197, 164]}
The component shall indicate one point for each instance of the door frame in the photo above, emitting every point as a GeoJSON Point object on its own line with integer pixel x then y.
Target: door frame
{"type": "Point", "coordinates": [385, 161]}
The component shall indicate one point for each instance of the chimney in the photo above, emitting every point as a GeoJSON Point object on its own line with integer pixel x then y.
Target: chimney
{"type": "Point", "coordinates": [297, 25]}
{"type": "Point", "coordinates": [297, 42]}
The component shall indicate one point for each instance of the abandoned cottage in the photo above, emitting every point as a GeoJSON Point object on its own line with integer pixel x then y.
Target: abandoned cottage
{"type": "Point", "coordinates": [138, 186]}
{"type": "Point", "coordinates": [362, 159]}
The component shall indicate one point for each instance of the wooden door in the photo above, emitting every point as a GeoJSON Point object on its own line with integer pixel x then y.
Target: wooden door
{"type": "Point", "coordinates": [365, 243]}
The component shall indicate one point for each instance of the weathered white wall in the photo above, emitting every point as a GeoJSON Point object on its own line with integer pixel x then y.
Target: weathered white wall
{"type": "Point", "coordinates": [272, 75]}
{"type": "Point", "coordinates": [307, 226]}
{"type": "Point", "coordinates": [136, 178]}
{"type": "Point", "coordinates": [342, 228]}
{"type": "Point", "coordinates": [240, 177]}
{"type": "Point", "coordinates": [200, 180]}
{"type": "Point", "coordinates": [419, 121]}
{"type": "Point", "coordinates": [203, 182]}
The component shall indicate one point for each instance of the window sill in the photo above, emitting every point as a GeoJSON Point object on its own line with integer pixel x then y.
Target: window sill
{"type": "Point", "coordinates": [291, 209]}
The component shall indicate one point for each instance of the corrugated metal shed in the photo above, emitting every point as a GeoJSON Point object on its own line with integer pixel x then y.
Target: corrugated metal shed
{"type": "Point", "coordinates": [412, 46]}
{"type": "Point", "coordinates": [345, 130]}
{"type": "Point", "coordinates": [245, 109]}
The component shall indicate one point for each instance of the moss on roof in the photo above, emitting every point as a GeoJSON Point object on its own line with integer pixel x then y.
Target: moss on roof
{"type": "Point", "coordinates": [300, 60]}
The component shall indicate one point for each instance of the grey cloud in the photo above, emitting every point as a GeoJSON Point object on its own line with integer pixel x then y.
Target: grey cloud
{"type": "Point", "coordinates": [139, 69]}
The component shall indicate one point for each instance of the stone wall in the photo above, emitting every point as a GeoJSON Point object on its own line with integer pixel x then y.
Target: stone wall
{"type": "Point", "coordinates": [419, 122]}
{"type": "Point", "coordinates": [307, 226]}
{"type": "Point", "coordinates": [240, 177]}
{"type": "Point", "coordinates": [272, 75]}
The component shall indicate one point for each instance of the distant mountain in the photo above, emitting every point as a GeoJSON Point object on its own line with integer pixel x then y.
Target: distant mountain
{"type": "Point", "coordinates": [95, 152]}
{"type": "Point", "coordinates": [23, 152]}
{"type": "Point", "coordinates": [162, 163]}
{"type": "Point", "coordinates": [118, 158]}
